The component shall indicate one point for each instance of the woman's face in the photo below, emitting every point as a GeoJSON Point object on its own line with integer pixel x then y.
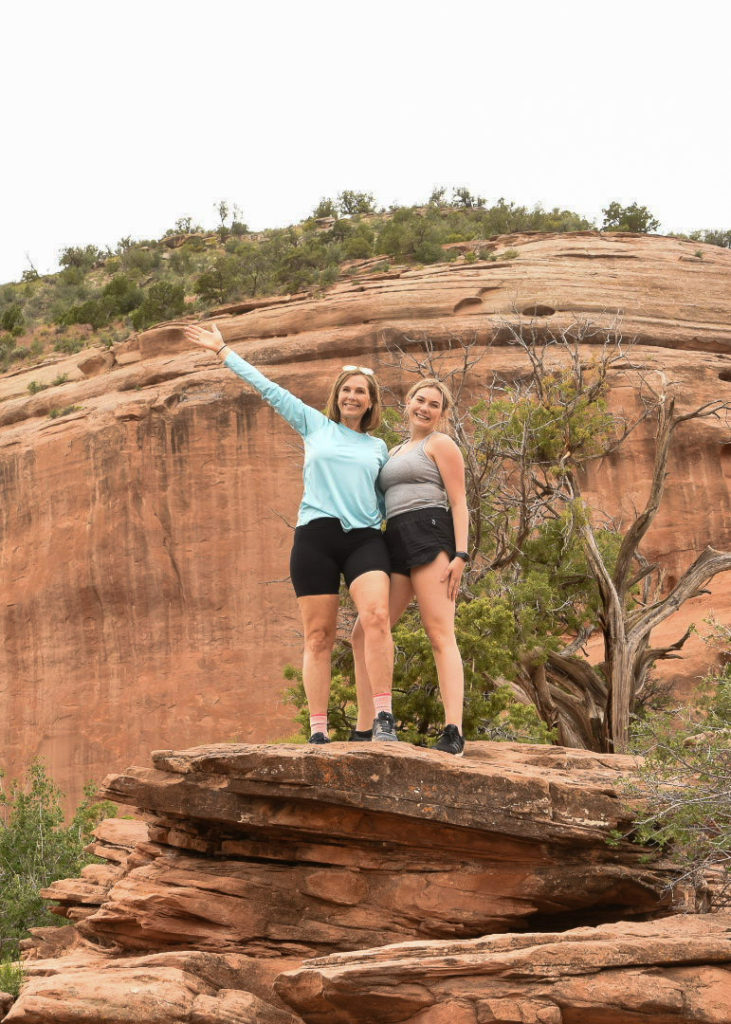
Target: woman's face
{"type": "Point", "coordinates": [424, 409]}
{"type": "Point", "coordinates": [354, 399]}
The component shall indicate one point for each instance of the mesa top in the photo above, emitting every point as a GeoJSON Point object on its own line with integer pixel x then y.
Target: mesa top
{"type": "Point", "coordinates": [411, 481]}
{"type": "Point", "coordinates": [341, 465]}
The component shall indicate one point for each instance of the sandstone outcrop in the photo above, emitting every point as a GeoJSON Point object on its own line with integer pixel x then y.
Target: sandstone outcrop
{"type": "Point", "coordinates": [144, 536]}
{"type": "Point", "coordinates": [676, 971]}
{"type": "Point", "coordinates": [491, 877]}
{"type": "Point", "coordinates": [289, 849]}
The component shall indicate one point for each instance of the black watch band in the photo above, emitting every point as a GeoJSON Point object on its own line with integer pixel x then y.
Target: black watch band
{"type": "Point", "coordinates": [463, 555]}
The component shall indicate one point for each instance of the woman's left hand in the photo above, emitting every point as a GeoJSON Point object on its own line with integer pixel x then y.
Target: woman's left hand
{"type": "Point", "coordinates": [453, 577]}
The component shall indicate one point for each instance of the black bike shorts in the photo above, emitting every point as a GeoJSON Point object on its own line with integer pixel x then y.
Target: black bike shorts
{"type": "Point", "coordinates": [416, 538]}
{"type": "Point", "coordinates": [323, 550]}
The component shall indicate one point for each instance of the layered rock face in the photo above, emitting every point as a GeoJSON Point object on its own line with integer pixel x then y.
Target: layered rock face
{"type": "Point", "coordinates": [672, 971]}
{"type": "Point", "coordinates": [144, 536]}
{"type": "Point", "coordinates": [490, 878]}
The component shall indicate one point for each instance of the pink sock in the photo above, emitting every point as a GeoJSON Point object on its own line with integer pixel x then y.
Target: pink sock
{"type": "Point", "coordinates": [318, 723]}
{"type": "Point", "coordinates": [382, 702]}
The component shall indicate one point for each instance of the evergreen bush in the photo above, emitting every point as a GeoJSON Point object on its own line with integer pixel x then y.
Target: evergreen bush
{"type": "Point", "coordinates": [36, 848]}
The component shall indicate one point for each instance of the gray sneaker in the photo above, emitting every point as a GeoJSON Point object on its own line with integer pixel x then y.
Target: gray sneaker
{"type": "Point", "coordinates": [384, 727]}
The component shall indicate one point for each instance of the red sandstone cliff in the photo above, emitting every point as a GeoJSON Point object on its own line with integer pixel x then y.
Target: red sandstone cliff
{"type": "Point", "coordinates": [143, 539]}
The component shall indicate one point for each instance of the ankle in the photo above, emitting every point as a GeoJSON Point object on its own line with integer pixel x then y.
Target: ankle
{"type": "Point", "coordinates": [318, 723]}
{"type": "Point", "coordinates": [382, 702]}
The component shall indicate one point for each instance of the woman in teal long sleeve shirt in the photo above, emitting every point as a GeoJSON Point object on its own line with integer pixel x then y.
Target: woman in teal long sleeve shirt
{"type": "Point", "coordinates": [338, 527]}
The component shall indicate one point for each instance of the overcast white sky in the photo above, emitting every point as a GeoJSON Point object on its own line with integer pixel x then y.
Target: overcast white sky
{"type": "Point", "coordinates": [117, 119]}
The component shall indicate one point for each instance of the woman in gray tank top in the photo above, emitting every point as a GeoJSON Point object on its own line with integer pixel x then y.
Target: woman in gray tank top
{"type": "Point", "coordinates": [427, 525]}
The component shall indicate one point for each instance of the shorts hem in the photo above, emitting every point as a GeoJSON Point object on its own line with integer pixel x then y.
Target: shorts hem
{"type": "Point", "coordinates": [425, 560]}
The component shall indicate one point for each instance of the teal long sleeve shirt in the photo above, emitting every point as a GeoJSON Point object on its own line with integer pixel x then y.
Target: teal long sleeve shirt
{"type": "Point", "coordinates": [341, 465]}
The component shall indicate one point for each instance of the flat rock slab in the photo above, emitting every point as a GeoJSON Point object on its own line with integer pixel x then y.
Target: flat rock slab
{"type": "Point", "coordinates": [298, 850]}
{"type": "Point", "coordinates": [674, 971]}
{"type": "Point", "coordinates": [524, 791]}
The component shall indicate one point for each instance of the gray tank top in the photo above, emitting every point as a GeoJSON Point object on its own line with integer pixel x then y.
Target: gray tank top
{"type": "Point", "coordinates": [412, 481]}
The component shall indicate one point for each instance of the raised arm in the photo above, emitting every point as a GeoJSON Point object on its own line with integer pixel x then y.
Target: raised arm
{"type": "Point", "coordinates": [302, 417]}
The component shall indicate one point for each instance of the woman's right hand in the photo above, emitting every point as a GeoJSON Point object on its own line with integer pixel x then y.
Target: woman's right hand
{"type": "Point", "coordinates": [210, 338]}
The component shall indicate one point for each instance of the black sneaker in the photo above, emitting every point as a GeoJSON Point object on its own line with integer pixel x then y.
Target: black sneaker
{"type": "Point", "coordinates": [384, 727]}
{"type": "Point", "coordinates": [361, 736]}
{"type": "Point", "coordinates": [451, 742]}
{"type": "Point", "coordinates": [318, 737]}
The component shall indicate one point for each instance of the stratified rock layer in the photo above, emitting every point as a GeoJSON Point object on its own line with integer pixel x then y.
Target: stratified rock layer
{"type": "Point", "coordinates": [675, 971]}
{"type": "Point", "coordinates": [260, 849]}
{"type": "Point", "coordinates": [254, 858]}
{"type": "Point", "coordinates": [144, 537]}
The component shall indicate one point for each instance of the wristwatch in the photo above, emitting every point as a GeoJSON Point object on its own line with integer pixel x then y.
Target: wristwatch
{"type": "Point", "coordinates": [463, 555]}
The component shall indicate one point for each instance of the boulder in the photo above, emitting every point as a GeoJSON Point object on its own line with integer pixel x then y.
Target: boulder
{"type": "Point", "coordinates": [427, 889]}
{"type": "Point", "coordinates": [298, 849]}
{"type": "Point", "coordinates": [674, 971]}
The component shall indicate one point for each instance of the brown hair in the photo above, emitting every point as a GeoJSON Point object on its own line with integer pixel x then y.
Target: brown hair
{"type": "Point", "coordinates": [441, 387]}
{"type": "Point", "coordinates": [371, 417]}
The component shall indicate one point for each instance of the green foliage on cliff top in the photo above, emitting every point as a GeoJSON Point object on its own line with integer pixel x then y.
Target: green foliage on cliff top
{"type": "Point", "coordinates": [140, 282]}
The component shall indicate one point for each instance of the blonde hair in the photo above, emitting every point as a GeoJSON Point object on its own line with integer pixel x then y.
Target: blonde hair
{"type": "Point", "coordinates": [371, 417]}
{"type": "Point", "coordinates": [441, 387]}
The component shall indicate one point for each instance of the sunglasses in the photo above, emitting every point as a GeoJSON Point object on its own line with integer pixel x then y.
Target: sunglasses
{"type": "Point", "coordinates": [360, 369]}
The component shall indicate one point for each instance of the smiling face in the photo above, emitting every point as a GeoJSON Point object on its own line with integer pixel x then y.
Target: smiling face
{"type": "Point", "coordinates": [354, 400]}
{"type": "Point", "coordinates": [424, 410]}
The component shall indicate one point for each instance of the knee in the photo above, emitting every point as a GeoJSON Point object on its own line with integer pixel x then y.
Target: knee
{"type": "Point", "coordinates": [441, 638]}
{"type": "Point", "coordinates": [319, 640]}
{"type": "Point", "coordinates": [356, 637]}
{"type": "Point", "coordinates": [375, 620]}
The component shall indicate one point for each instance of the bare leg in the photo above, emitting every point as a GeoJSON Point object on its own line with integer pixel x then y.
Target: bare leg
{"type": "Point", "coordinates": [319, 617]}
{"type": "Point", "coordinates": [400, 595]}
{"type": "Point", "coordinates": [370, 594]}
{"type": "Point", "coordinates": [437, 615]}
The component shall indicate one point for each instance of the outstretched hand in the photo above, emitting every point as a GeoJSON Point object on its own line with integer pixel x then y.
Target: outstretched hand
{"type": "Point", "coordinates": [452, 576]}
{"type": "Point", "coordinates": [210, 338]}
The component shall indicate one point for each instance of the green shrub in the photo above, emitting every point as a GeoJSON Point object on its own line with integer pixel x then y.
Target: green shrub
{"type": "Point", "coordinates": [164, 300]}
{"type": "Point", "coordinates": [69, 346]}
{"type": "Point", "coordinates": [684, 783]}
{"type": "Point", "coordinates": [359, 244]}
{"type": "Point", "coordinates": [629, 218]}
{"type": "Point", "coordinates": [222, 282]}
{"type": "Point", "coordinates": [349, 203]}
{"type": "Point", "coordinates": [34, 387]}
{"type": "Point", "coordinates": [140, 259]}
{"type": "Point", "coordinates": [54, 414]}
{"type": "Point", "coordinates": [81, 257]}
{"type": "Point", "coordinates": [325, 208]}
{"type": "Point", "coordinates": [12, 320]}
{"type": "Point", "coordinates": [124, 295]}
{"type": "Point", "coordinates": [722, 238]}
{"type": "Point", "coordinates": [36, 848]}
{"type": "Point", "coordinates": [11, 975]}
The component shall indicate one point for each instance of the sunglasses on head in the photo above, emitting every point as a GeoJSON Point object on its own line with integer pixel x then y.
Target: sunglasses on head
{"type": "Point", "coordinates": [359, 369]}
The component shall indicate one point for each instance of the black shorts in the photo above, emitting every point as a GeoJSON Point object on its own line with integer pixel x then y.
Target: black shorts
{"type": "Point", "coordinates": [416, 538]}
{"type": "Point", "coordinates": [323, 550]}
